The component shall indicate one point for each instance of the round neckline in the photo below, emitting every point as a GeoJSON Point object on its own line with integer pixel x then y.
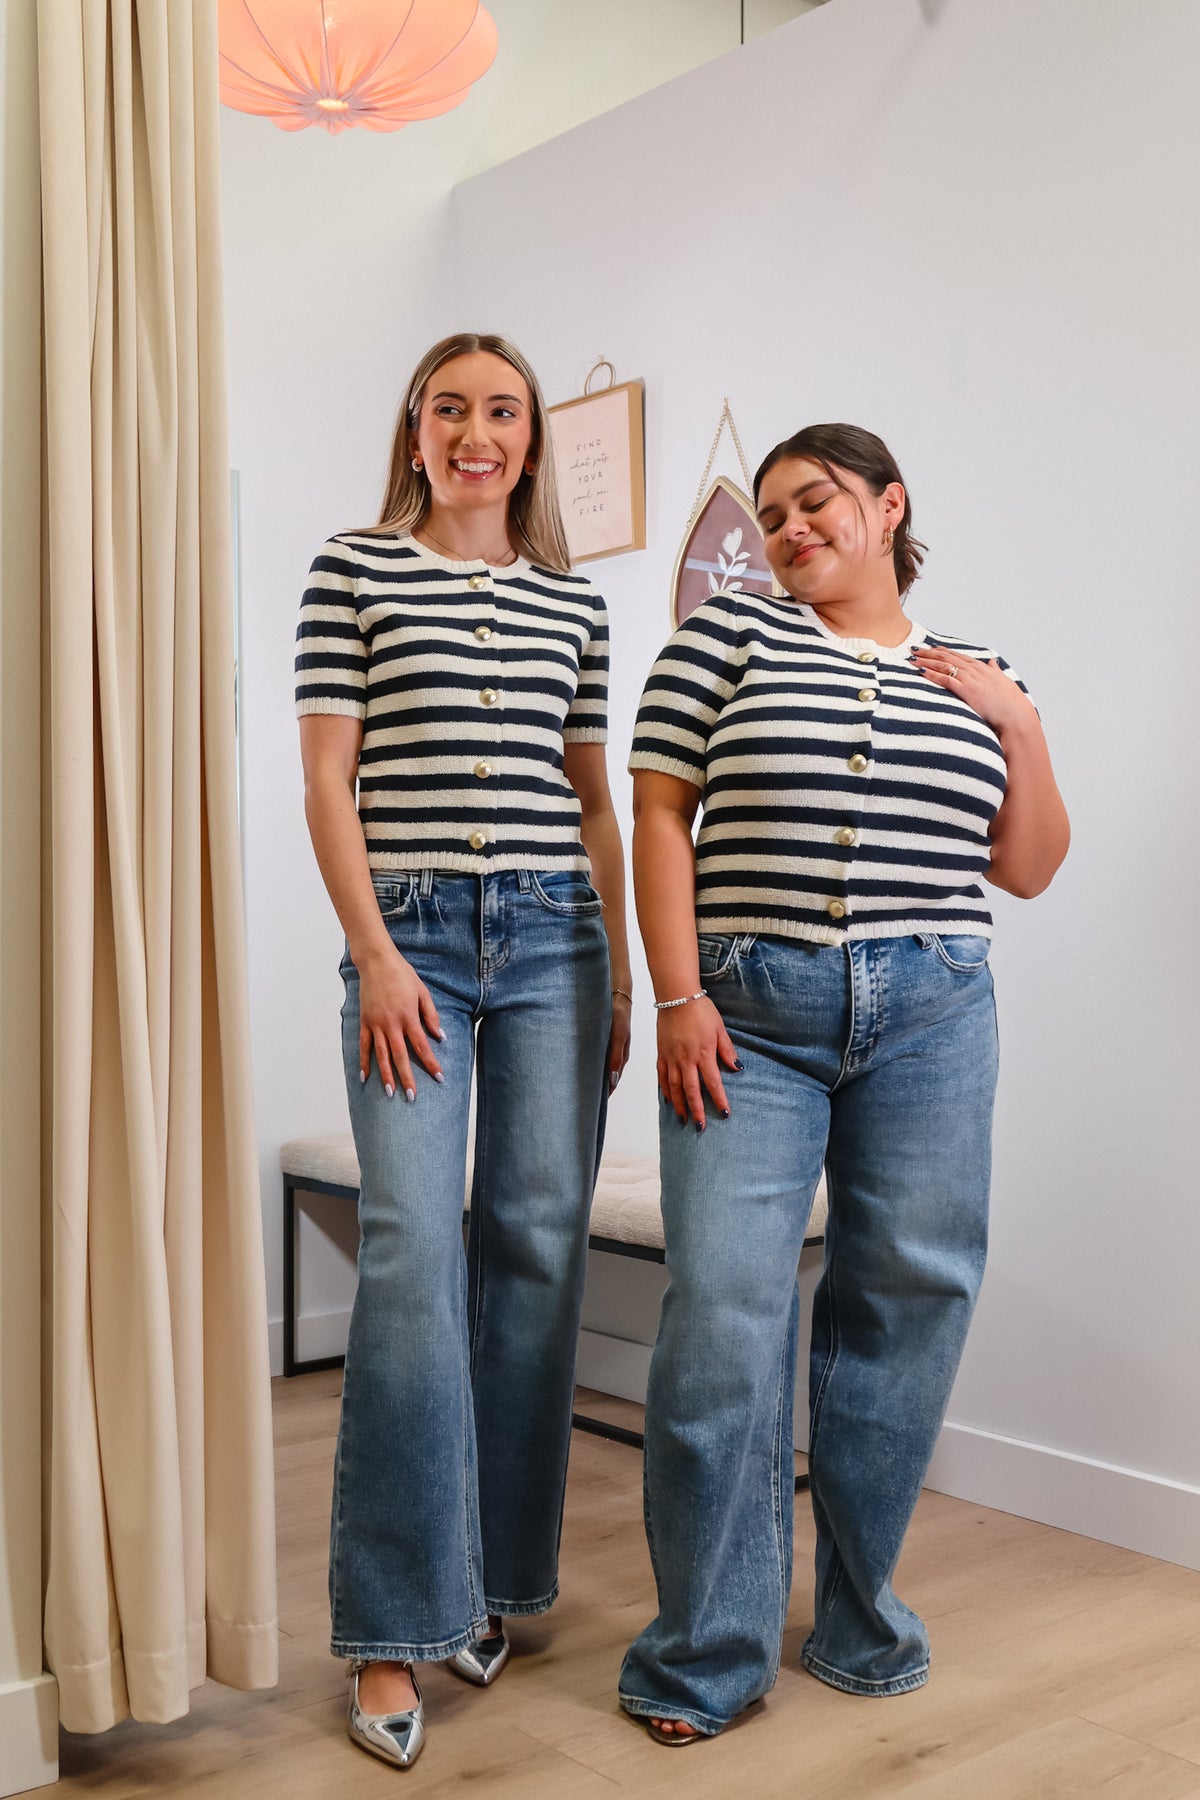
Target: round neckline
{"type": "Point", "coordinates": [854, 645]}
{"type": "Point", "coordinates": [455, 567]}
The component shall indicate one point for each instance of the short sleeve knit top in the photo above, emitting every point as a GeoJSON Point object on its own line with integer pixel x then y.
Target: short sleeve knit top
{"type": "Point", "coordinates": [469, 680]}
{"type": "Point", "coordinates": [845, 795]}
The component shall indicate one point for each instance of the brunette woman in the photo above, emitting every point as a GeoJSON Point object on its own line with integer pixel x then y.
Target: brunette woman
{"type": "Point", "coordinates": [820, 963]}
{"type": "Point", "coordinates": [453, 670]}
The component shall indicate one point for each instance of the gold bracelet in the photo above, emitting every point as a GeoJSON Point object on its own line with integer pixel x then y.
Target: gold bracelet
{"type": "Point", "coordinates": [624, 993]}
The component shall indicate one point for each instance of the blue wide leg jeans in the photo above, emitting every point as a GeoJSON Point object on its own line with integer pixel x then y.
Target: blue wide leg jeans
{"type": "Point", "coordinates": [456, 1405]}
{"type": "Point", "coordinates": [878, 1060]}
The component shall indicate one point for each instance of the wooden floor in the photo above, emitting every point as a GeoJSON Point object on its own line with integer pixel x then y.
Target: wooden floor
{"type": "Point", "coordinates": [1064, 1669]}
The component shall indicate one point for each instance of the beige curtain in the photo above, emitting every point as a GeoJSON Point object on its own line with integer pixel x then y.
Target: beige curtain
{"type": "Point", "coordinates": [160, 1545]}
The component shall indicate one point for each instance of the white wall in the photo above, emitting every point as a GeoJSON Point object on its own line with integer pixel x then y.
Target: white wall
{"type": "Point", "coordinates": [338, 275]}
{"type": "Point", "coordinates": [971, 228]}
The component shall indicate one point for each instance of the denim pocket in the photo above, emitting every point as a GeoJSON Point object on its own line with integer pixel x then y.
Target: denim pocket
{"type": "Point", "coordinates": [717, 954]}
{"type": "Point", "coordinates": [965, 955]}
{"type": "Point", "coordinates": [393, 892]}
{"type": "Point", "coordinates": [566, 891]}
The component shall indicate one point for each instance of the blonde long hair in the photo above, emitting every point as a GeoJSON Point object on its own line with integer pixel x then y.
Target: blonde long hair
{"type": "Point", "coordinates": [535, 526]}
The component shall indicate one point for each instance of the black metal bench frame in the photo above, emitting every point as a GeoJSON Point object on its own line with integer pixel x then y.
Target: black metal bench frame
{"type": "Point", "coordinates": [292, 1364]}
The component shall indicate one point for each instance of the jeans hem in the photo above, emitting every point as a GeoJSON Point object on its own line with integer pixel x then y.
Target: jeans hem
{"type": "Point", "coordinates": [651, 1709]}
{"type": "Point", "coordinates": [438, 1652]}
{"type": "Point", "coordinates": [523, 1609]}
{"type": "Point", "coordinates": [854, 1684]}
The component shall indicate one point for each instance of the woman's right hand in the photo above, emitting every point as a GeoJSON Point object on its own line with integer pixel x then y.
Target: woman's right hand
{"type": "Point", "coordinates": [692, 1045]}
{"type": "Point", "coordinates": [396, 1010]}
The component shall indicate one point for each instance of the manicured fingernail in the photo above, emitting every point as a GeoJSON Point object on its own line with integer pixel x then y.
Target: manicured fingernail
{"type": "Point", "coordinates": [362, 1076]}
{"type": "Point", "coordinates": [724, 1112]}
{"type": "Point", "coordinates": [699, 1125]}
{"type": "Point", "coordinates": [441, 1036]}
{"type": "Point", "coordinates": [389, 1090]}
{"type": "Point", "coordinates": [410, 1093]}
{"type": "Point", "coordinates": [439, 1077]}
{"type": "Point", "coordinates": [737, 1067]}
{"type": "Point", "coordinates": [612, 1081]}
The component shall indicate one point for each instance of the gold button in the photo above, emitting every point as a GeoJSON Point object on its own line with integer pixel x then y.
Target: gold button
{"type": "Point", "coordinates": [483, 770]}
{"type": "Point", "coordinates": [477, 840]}
{"type": "Point", "coordinates": [858, 763]}
{"type": "Point", "coordinates": [489, 696]}
{"type": "Point", "coordinates": [866, 656]}
{"type": "Point", "coordinates": [847, 835]}
{"type": "Point", "coordinates": [483, 633]}
{"type": "Point", "coordinates": [477, 582]}
{"type": "Point", "coordinates": [836, 910]}
{"type": "Point", "coordinates": [866, 693]}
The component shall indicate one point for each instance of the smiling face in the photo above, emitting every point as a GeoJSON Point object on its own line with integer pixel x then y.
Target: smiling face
{"type": "Point", "coordinates": [825, 542]}
{"type": "Point", "coordinates": [474, 432]}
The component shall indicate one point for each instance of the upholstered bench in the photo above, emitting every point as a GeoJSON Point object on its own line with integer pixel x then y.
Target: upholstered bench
{"type": "Point", "coordinates": [626, 1220]}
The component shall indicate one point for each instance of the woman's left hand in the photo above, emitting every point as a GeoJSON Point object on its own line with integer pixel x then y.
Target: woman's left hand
{"type": "Point", "coordinates": [984, 686]}
{"type": "Point", "coordinates": [618, 1039]}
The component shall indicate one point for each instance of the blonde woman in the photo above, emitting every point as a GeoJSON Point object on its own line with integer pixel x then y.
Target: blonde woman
{"type": "Point", "coordinates": [452, 668]}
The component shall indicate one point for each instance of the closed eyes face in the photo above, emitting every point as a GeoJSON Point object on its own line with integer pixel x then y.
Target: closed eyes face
{"type": "Point", "coordinates": [815, 531]}
{"type": "Point", "coordinates": [475, 430]}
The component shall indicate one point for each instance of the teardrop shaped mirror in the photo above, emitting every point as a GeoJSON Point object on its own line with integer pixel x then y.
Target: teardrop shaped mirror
{"type": "Point", "coordinates": [722, 552]}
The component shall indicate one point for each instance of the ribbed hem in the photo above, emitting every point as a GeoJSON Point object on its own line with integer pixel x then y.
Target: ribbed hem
{"type": "Point", "coordinates": [452, 862]}
{"type": "Point", "coordinates": [742, 924]}
{"type": "Point", "coordinates": [587, 734]}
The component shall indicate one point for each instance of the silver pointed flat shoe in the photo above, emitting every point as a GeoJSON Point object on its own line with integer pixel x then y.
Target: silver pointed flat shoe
{"type": "Point", "coordinates": [396, 1737]}
{"type": "Point", "coordinates": [483, 1660]}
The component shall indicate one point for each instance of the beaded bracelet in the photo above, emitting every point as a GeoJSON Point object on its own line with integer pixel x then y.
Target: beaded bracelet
{"type": "Point", "coordinates": [666, 1005]}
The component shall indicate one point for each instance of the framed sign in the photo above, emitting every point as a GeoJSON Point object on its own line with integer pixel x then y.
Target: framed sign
{"type": "Point", "coordinates": [599, 458]}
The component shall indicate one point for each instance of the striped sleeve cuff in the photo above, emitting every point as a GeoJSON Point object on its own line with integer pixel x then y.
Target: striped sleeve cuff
{"type": "Point", "coordinates": [666, 765]}
{"type": "Point", "coordinates": [328, 703]}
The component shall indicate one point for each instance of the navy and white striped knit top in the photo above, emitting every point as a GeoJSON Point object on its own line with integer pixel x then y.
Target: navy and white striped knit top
{"type": "Point", "coordinates": [469, 680]}
{"type": "Point", "coordinates": [845, 795]}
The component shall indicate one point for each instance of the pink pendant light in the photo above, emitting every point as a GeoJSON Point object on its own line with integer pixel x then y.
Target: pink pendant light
{"type": "Point", "coordinates": [337, 63]}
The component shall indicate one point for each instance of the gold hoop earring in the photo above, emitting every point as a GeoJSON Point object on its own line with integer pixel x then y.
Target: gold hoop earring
{"type": "Point", "coordinates": [889, 538]}
{"type": "Point", "coordinates": [417, 464]}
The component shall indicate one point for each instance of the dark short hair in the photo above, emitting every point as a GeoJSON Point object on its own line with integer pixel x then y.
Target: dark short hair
{"type": "Point", "coordinates": [849, 447]}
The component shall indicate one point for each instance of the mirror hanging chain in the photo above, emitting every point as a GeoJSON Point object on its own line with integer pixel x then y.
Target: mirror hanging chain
{"type": "Point", "coordinates": [726, 418]}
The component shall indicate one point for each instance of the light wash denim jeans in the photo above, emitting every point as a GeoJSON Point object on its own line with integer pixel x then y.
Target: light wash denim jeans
{"type": "Point", "coordinates": [456, 1405]}
{"type": "Point", "coordinates": [877, 1059]}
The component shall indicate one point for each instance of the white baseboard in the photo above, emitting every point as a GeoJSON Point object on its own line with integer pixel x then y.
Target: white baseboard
{"type": "Point", "coordinates": [1096, 1499]}
{"type": "Point", "coordinates": [1119, 1506]}
{"type": "Point", "coordinates": [28, 1734]}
